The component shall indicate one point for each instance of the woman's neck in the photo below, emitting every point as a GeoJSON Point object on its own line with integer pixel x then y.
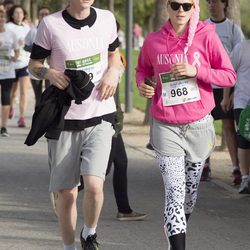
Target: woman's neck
{"type": "Point", "coordinates": [179, 29]}
{"type": "Point", "coordinates": [18, 23]}
{"type": "Point", "coordinates": [2, 29]}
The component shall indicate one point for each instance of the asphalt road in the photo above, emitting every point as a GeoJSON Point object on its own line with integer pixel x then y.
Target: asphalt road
{"type": "Point", "coordinates": [221, 220]}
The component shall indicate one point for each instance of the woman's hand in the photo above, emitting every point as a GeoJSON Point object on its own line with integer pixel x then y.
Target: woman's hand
{"type": "Point", "coordinates": [146, 90]}
{"type": "Point", "coordinates": [183, 69]}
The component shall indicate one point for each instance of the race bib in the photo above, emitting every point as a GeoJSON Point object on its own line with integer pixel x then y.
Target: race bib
{"type": "Point", "coordinates": [178, 90]}
{"type": "Point", "coordinates": [5, 63]}
{"type": "Point", "coordinates": [91, 65]}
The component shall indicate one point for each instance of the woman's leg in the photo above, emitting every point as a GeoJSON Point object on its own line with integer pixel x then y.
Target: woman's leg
{"type": "Point", "coordinates": [173, 174]}
{"type": "Point", "coordinates": [6, 86]}
{"type": "Point", "coordinates": [37, 87]}
{"type": "Point", "coordinates": [193, 173]}
{"type": "Point", "coordinates": [24, 85]}
{"type": "Point", "coordinates": [13, 95]}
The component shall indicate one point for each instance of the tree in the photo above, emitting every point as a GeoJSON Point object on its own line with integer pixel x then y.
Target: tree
{"type": "Point", "coordinates": [161, 14]}
{"type": "Point", "coordinates": [233, 11]}
{"type": "Point", "coordinates": [160, 18]}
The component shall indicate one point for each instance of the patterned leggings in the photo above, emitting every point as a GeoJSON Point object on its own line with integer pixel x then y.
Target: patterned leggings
{"type": "Point", "coordinates": [181, 180]}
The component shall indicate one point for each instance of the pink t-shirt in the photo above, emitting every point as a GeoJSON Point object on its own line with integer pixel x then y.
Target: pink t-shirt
{"type": "Point", "coordinates": [80, 49]}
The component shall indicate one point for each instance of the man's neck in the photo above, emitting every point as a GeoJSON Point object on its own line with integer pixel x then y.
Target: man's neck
{"type": "Point", "coordinates": [78, 14]}
{"type": "Point", "coordinates": [217, 18]}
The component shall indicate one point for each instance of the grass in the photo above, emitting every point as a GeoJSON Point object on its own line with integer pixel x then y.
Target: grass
{"type": "Point", "coordinates": [140, 102]}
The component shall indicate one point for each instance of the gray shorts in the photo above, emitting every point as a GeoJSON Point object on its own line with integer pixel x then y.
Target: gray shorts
{"type": "Point", "coordinates": [195, 141]}
{"type": "Point", "coordinates": [78, 153]}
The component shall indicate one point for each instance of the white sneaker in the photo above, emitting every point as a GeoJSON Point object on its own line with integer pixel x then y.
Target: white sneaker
{"type": "Point", "coordinates": [244, 186]}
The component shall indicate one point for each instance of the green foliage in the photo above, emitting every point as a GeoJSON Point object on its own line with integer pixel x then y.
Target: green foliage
{"type": "Point", "coordinates": [138, 101]}
{"type": "Point", "coordinates": [245, 11]}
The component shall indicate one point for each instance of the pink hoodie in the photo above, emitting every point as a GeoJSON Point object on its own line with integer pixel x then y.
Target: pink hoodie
{"type": "Point", "coordinates": [163, 48]}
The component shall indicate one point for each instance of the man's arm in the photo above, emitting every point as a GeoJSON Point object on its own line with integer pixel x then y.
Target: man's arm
{"type": "Point", "coordinates": [57, 78]}
{"type": "Point", "coordinates": [111, 78]}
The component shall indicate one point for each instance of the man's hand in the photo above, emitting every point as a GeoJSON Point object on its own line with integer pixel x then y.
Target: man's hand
{"type": "Point", "coordinates": [57, 78]}
{"type": "Point", "coordinates": [227, 103]}
{"type": "Point", "coordinates": [109, 82]}
{"type": "Point", "coordinates": [183, 69]}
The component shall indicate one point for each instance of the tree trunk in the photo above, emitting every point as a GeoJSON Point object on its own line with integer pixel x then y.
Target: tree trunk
{"type": "Point", "coordinates": [160, 18]}
{"type": "Point", "coordinates": [33, 14]}
{"type": "Point", "coordinates": [26, 6]}
{"type": "Point", "coordinates": [111, 5]}
{"type": "Point", "coordinates": [233, 11]}
{"type": "Point", "coordinates": [161, 14]}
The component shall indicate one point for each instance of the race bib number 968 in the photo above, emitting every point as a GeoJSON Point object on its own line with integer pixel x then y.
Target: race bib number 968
{"type": "Point", "coordinates": [178, 90]}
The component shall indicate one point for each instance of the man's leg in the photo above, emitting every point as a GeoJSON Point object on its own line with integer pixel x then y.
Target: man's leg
{"type": "Point", "coordinates": [67, 214]}
{"type": "Point", "coordinates": [92, 205]}
{"type": "Point", "coordinates": [244, 157]}
{"type": "Point", "coordinates": [230, 135]}
{"type": "Point", "coordinates": [93, 200]}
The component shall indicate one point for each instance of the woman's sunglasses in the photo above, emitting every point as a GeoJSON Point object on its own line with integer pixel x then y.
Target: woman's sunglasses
{"type": "Point", "coordinates": [176, 6]}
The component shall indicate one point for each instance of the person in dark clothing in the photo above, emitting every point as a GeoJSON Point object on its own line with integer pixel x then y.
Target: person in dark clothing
{"type": "Point", "coordinates": [118, 157]}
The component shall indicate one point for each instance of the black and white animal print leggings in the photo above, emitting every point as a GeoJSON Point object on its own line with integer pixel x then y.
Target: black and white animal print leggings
{"type": "Point", "coordinates": [181, 180]}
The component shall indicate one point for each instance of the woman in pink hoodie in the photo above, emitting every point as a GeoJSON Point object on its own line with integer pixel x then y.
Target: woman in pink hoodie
{"type": "Point", "coordinates": [184, 58]}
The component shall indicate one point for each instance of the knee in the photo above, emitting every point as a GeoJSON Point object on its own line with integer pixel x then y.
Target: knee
{"type": "Point", "coordinates": [228, 126]}
{"type": "Point", "coordinates": [67, 197]}
{"type": "Point", "coordinates": [94, 189]}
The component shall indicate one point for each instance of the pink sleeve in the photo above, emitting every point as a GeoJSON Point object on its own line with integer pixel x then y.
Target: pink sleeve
{"type": "Point", "coordinates": [43, 38]}
{"type": "Point", "coordinates": [144, 66]}
{"type": "Point", "coordinates": [221, 71]}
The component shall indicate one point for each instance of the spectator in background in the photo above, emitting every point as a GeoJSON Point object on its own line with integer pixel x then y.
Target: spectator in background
{"type": "Point", "coordinates": [16, 24]}
{"type": "Point", "coordinates": [230, 35]}
{"type": "Point", "coordinates": [2, 7]}
{"type": "Point", "coordinates": [241, 61]}
{"type": "Point", "coordinates": [29, 40]}
{"type": "Point", "coordinates": [8, 43]}
{"type": "Point", "coordinates": [137, 34]}
{"type": "Point", "coordinates": [118, 157]}
{"type": "Point", "coordinates": [186, 56]}
{"type": "Point", "coordinates": [8, 4]}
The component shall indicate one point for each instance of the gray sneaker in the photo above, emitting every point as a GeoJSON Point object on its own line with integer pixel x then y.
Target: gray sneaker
{"type": "Point", "coordinates": [244, 186]}
{"type": "Point", "coordinates": [130, 216]}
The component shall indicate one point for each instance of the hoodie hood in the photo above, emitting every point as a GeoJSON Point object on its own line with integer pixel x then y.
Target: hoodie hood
{"type": "Point", "coordinates": [202, 26]}
{"type": "Point", "coordinates": [169, 33]}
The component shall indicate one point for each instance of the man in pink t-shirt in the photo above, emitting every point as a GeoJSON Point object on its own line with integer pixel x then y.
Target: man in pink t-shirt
{"type": "Point", "coordinates": [80, 38]}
